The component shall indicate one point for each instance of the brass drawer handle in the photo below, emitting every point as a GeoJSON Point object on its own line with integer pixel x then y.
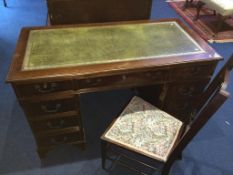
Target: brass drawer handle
{"type": "Point", "coordinates": [195, 70]}
{"type": "Point", "coordinates": [182, 106]}
{"type": "Point", "coordinates": [186, 91]}
{"type": "Point", "coordinates": [45, 87]}
{"type": "Point", "coordinates": [51, 125]}
{"type": "Point", "coordinates": [59, 141]}
{"type": "Point", "coordinates": [51, 109]}
{"type": "Point", "coordinates": [94, 82]}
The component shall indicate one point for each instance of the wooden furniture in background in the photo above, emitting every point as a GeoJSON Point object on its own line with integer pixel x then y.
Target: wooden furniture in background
{"type": "Point", "coordinates": [165, 139]}
{"type": "Point", "coordinates": [53, 65]}
{"type": "Point", "coordinates": [224, 10]}
{"type": "Point", "coordinates": [93, 11]}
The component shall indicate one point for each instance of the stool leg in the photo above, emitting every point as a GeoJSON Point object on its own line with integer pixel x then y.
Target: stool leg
{"type": "Point", "coordinates": [168, 164]}
{"type": "Point", "coordinates": [179, 157]}
{"type": "Point", "coordinates": [167, 167]}
{"type": "Point", "coordinates": [4, 2]}
{"type": "Point", "coordinates": [103, 152]}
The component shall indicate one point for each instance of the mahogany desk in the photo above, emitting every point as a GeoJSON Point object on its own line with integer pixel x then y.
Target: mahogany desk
{"type": "Point", "coordinates": [52, 66]}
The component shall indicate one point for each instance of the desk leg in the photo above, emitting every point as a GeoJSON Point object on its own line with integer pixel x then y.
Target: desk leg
{"type": "Point", "coordinates": [42, 152]}
{"type": "Point", "coordinates": [82, 130]}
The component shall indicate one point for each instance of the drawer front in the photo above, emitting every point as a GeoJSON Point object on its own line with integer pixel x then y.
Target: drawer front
{"type": "Point", "coordinates": [180, 97]}
{"type": "Point", "coordinates": [187, 90]}
{"type": "Point", "coordinates": [58, 123]}
{"type": "Point", "coordinates": [27, 90]}
{"type": "Point", "coordinates": [180, 109]}
{"type": "Point", "coordinates": [148, 77]}
{"type": "Point", "coordinates": [50, 107]}
{"type": "Point", "coordinates": [192, 71]}
{"type": "Point", "coordinates": [60, 139]}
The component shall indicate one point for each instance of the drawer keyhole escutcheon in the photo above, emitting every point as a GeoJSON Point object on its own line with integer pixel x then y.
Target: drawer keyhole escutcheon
{"type": "Point", "coordinates": [51, 125]}
{"type": "Point", "coordinates": [59, 141]}
{"type": "Point", "coordinates": [124, 77]}
{"type": "Point", "coordinates": [195, 70]}
{"type": "Point", "coordinates": [45, 87]}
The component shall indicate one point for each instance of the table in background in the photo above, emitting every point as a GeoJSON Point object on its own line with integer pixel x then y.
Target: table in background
{"type": "Point", "coordinates": [52, 66]}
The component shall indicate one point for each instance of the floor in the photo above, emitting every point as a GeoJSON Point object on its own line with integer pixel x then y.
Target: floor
{"type": "Point", "coordinates": [209, 153]}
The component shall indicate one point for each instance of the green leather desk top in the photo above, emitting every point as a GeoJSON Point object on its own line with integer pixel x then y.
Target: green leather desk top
{"type": "Point", "coordinates": [52, 48]}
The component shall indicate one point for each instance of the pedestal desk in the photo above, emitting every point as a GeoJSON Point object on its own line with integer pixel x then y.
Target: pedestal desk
{"type": "Point", "coordinates": [53, 65]}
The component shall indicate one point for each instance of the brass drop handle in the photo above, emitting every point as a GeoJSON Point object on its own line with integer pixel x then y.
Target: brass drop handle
{"type": "Point", "coordinates": [53, 109]}
{"type": "Point", "coordinates": [183, 106]}
{"type": "Point", "coordinates": [51, 125]}
{"type": "Point", "coordinates": [195, 70]}
{"type": "Point", "coordinates": [186, 91]}
{"type": "Point", "coordinates": [59, 141]}
{"type": "Point", "coordinates": [45, 87]}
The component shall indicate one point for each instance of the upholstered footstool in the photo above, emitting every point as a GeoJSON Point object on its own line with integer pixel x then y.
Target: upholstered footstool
{"type": "Point", "coordinates": [224, 8]}
{"type": "Point", "coordinates": [145, 129]}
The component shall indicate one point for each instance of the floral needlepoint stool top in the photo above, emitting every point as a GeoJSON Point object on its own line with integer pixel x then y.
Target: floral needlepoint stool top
{"type": "Point", "coordinates": [145, 129]}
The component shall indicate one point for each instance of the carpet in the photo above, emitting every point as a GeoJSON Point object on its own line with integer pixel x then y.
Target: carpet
{"type": "Point", "coordinates": [206, 25]}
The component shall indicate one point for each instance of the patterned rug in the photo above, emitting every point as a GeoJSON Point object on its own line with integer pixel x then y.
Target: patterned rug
{"type": "Point", "coordinates": [206, 25]}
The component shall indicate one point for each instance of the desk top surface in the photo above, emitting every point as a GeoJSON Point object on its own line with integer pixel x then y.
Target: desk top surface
{"type": "Point", "coordinates": [107, 48]}
{"type": "Point", "coordinates": [54, 48]}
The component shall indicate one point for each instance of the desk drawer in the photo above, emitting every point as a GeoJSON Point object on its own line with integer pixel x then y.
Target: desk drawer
{"type": "Point", "coordinates": [50, 107]}
{"type": "Point", "coordinates": [57, 123]}
{"type": "Point", "coordinates": [192, 71]}
{"type": "Point", "coordinates": [187, 90]}
{"type": "Point", "coordinates": [27, 90]}
{"type": "Point", "coordinates": [60, 139]}
{"type": "Point", "coordinates": [146, 77]}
